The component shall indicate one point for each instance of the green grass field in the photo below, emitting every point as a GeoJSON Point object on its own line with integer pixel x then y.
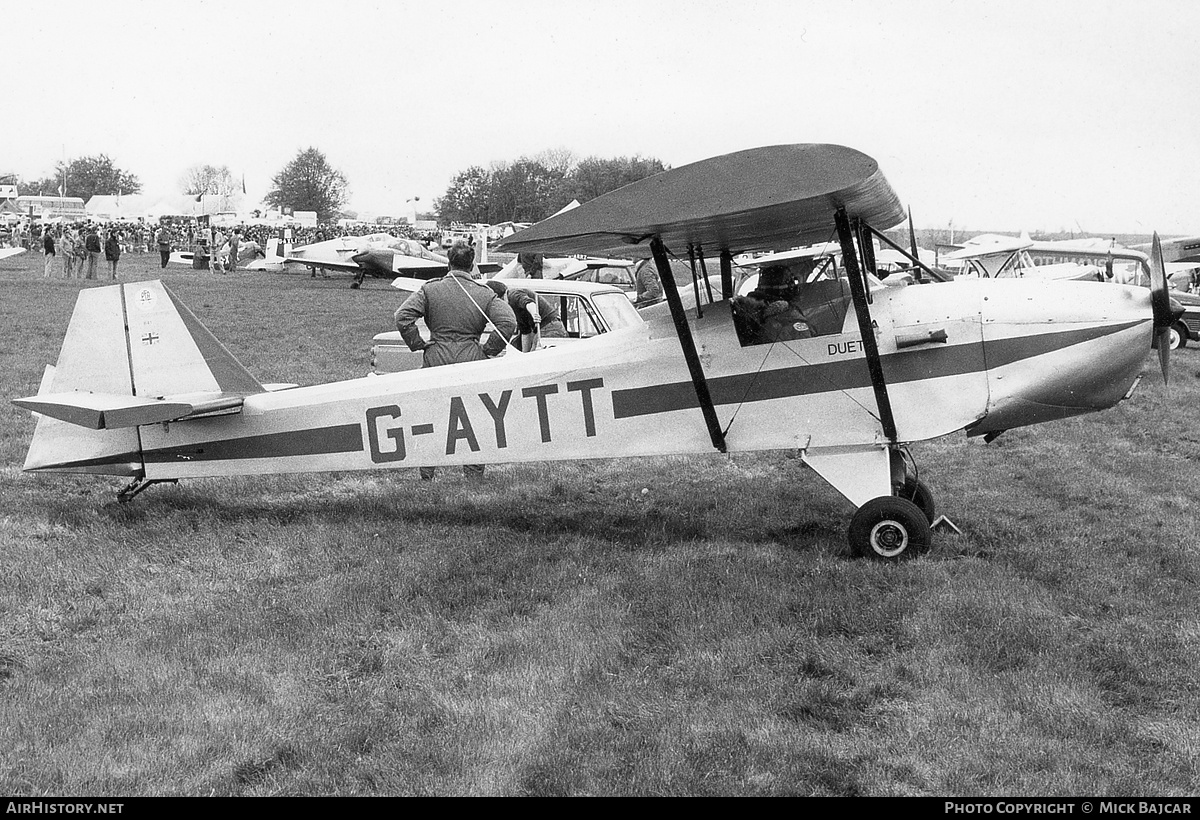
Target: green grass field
{"type": "Point", "coordinates": [673, 626]}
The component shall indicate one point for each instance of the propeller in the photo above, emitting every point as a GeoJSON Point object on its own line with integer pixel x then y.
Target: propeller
{"type": "Point", "coordinates": [912, 243]}
{"type": "Point", "coordinates": [1165, 309]}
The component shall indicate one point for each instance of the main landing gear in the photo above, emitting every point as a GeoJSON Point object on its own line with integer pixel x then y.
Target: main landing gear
{"type": "Point", "coordinates": [898, 526]}
{"type": "Point", "coordinates": [890, 528]}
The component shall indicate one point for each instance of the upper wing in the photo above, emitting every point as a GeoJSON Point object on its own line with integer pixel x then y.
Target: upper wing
{"type": "Point", "coordinates": [761, 199]}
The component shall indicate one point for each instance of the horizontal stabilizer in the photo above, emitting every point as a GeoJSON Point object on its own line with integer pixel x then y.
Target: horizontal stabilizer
{"type": "Point", "coordinates": [108, 411]}
{"type": "Point", "coordinates": [407, 284]}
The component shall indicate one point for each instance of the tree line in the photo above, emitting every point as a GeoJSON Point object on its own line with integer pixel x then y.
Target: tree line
{"type": "Point", "coordinates": [84, 177]}
{"type": "Point", "coordinates": [533, 188]}
{"type": "Point", "coordinates": [528, 189]}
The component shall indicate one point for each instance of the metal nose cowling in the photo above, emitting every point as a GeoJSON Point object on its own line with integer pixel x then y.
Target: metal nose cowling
{"type": "Point", "coordinates": [1166, 310]}
{"type": "Point", "coordinates": [1059, 349]}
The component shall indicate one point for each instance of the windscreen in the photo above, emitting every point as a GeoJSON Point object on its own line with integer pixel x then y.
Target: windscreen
{"type": "Point", "coordinates": [617, 310]}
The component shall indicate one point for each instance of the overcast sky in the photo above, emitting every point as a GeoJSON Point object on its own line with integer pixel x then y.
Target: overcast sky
{"type": "Point", "coordinates": [1044, 115]}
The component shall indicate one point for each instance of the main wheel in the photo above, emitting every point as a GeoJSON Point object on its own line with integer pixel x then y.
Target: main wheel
{"type": "Point", "coordinates": [889, 529]}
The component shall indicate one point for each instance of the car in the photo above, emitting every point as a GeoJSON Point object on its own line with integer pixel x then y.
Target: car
{"type": "Point", "coordinates": [618, 273]}
{"type": "Point", "coordinates": [587, 309]}
{"type": "Point", "coordinates": [1187, 329]}
{"type": "Point", "coordinates": [621, 273]}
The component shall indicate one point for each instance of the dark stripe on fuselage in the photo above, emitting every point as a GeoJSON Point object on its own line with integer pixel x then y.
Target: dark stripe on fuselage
{"type": "Point", "coordinates": [1001, 352]}
{"type": "Point", "coordinates": [345, 438]}
{"type": "Point", "coordinates": [850, 374]}
{"type": "Point", "coordinates": [800, 380]}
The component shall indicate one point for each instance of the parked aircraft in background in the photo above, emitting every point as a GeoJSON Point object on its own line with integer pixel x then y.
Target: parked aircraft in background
{"type": "Point", "coordinates": [993, 256]}
{"type": "Point", "coordinates": [142, 390]}
{"type": "Point", "coordinates": [380, 255]}
{"type": "Point", "coordinates": [1181, 249]}
{"type": "Point", "coordinates": [274, 257]}
{"type": "Point", "coordinates": [5, 253]}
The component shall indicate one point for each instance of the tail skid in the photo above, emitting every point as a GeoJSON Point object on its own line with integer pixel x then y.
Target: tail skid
{"type": "Point", "coordinates": [133, 355]}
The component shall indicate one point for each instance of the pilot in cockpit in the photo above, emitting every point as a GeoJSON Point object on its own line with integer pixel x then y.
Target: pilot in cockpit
{"type": "Point", "coordinates": [795, 300]}
{"type": "Point", "coordinates": [771, 312]}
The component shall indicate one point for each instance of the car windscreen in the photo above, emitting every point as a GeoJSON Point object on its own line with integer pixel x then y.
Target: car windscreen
{"type": "Point", "coordinates": [622, 277]}
{"type": "Point", "coordinates": [617, 310]}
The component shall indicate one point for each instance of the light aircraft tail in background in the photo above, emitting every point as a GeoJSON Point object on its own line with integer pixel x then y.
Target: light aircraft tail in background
{"type": "Point", "coordinates": [274, 258]}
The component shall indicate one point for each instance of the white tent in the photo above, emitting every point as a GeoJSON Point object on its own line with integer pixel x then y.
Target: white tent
{"type": "Point", "coordinates": [106, 208]}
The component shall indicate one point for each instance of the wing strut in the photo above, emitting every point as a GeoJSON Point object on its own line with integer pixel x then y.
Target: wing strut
{"type": "Point", "coordinates": [684, 332]}
{"type": "Point", "coordinates": [704, 274]}
{"type": "Point", "coordinates": [858, 291]}
{"type": "Point", "coordinates": [695, 280]}
{"type": "Point", "coordinates": [726, 274]}
{"type": "Point", "coordinates": [912, 257]}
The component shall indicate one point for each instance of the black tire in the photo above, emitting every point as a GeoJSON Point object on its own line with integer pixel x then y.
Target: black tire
{"type": "Point", "coordinates": [889, 529]}
{"type": "Point", "coordinates": [1178, 337]}
{"type": "Point", "coordinates": [918, 493]}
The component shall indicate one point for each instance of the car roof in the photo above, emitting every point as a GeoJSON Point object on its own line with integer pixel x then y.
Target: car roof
{"type": "Point", "coordinates": [562, 286]}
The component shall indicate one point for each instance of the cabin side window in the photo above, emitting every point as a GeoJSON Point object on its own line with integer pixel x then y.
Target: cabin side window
{"type": "Point", "coordinates": [798, 300]}
{"type": "Point", "coordinates": [577, 318]}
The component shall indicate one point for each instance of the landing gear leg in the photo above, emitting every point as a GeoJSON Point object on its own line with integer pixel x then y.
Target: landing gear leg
{"type": "Point", "coordinates": [916, 491]}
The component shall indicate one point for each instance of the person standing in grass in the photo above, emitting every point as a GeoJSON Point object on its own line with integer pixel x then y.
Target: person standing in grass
{"type": "Point", "coordinates": [162, 238]}
{"type": "Point", "coordinates": [80, 258]}
{"type": "Point", "coordinates": [47, 250]}
{"type": "Point", "coordinates": [92, 246]}
{"type": "Point", "coordinates": [66, 250]}
{"type": "Point", "coordinates": [235, 242]}
{"type": "Point", "coordinates": [112, 253]}
{"type": "Point", "coordinates": [456, 309]}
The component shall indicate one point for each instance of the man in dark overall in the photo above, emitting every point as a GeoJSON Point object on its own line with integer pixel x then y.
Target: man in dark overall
{"type": "Point", "coordinates": [537, 317]}
{"type": "Point", "coordinates": [456, 309]}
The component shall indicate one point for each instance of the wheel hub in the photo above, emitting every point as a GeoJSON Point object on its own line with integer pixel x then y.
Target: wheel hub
{"type": "Point", "coordinates": [889, 538]}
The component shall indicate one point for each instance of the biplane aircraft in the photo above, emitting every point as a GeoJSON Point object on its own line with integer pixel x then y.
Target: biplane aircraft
{"type": "Point", "coordinates": [142, 390]}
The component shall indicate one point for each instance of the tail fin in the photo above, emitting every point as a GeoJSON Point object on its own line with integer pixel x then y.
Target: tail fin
{"type": "Point", "coordinates": [171, 352]}
{"type": "Point", "coordinates": [133, 355]}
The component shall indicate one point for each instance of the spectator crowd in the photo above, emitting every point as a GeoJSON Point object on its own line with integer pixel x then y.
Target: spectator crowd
{"type": "Point", "coordinates": [225, 246]}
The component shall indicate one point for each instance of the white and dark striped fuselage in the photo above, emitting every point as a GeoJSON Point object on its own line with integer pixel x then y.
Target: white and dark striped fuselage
{"type": "Point", "coordinates": [1014, 353]}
